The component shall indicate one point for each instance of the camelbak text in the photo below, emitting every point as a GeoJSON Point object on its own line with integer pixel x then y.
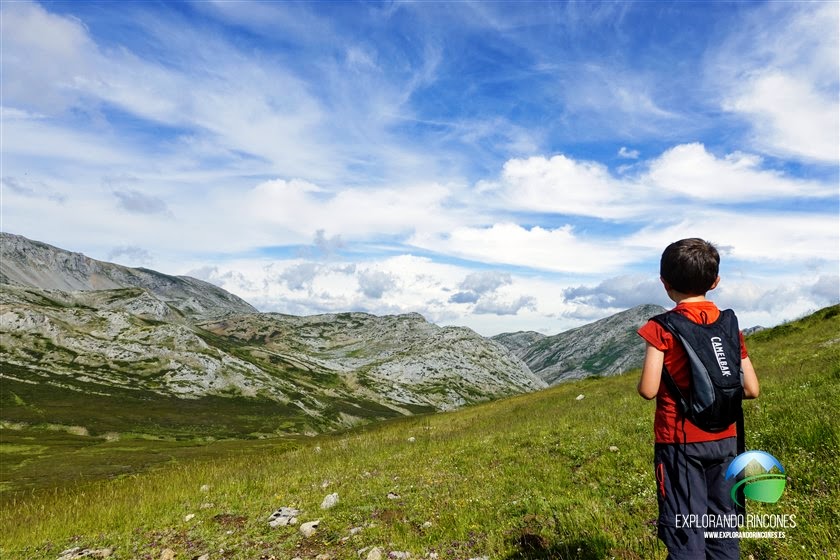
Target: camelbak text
{"type": "Point", "coordinates": [717, 345]}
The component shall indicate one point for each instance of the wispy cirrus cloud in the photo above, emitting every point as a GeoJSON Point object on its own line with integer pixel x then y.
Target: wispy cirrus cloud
{"type": "Point", "coordinates": [31, 188]}
{"type": "Point", "coordinates": [781, 75]}
{"type": "Point", "coordinates": [44, 54]}
{"type": "Point", "coordinates": [498, 167]}
{"type": "Point", "coordinates": [232, 102]}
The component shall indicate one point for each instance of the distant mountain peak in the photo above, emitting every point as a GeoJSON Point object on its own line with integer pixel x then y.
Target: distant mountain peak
{"type": "Point", "coordinates": [605, 347]}
{"type": "Point", "coordinates": [40, 265]}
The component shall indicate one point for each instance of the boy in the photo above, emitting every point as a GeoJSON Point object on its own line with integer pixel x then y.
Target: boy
{"type": "Point", "coordinates": [689, 463]}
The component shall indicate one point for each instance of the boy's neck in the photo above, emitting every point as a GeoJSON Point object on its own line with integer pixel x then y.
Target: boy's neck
{"type": "Point", "coordinates": [678, 297]}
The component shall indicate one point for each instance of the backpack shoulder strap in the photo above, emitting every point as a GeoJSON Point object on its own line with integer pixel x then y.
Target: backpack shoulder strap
{"type": "Point", "coordinates": [730, 324]}
{"type": "Point", "coordinates": [681, 400]}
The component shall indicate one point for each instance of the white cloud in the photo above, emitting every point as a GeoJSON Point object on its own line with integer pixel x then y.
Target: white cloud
{"type": "Point", "coordinates": [43, 55]}
{"type": "Point", "coordinates": [627, 153]}
{"type": "Point", "coordinates": [34, 136]}
{"type": "Point", "coordinates": [538, 248]}
{"type": "Point", "coordinates": [690, 170]}
{"type": "Point", "coordinates": [778, 69]}
{"type": "Point", "coordinates": [764, 238]}
{"type": "Point", "coordinates": [374, 283]}
{"type": "Point", "coordinates": [360, 58]}
{"type": "Point", "coordinates": [485, 281]}
{"type": "Point", "coordinates": [239, 106]}
{"type": "Point", "coordinates": [137, 202]}
{"type": "Point", "coordinates": [222, 278]}
{"type": "Point", "coordinates": [450, 222]}
{"type": "Point", "coordinates": [503, 134]}
{"type": "Point", "coordinates": [509, 303]}
{"type": "Point", "coordinates": [495, 306]}
{"type": "Point", "coordinates": [790, 117]}
{"type": "Point", "coordinates": [614, 97]}
{"type": "Point", "coordinates": [33, 188]}
{"type": "Point", "coordinates": [566, 186]}
{"type": "Point", "coordinates": [131, 256]}
{"type": "Point", "coordinates": [323, 245]}
{"type": "Point", "coordinates": [300, 276]}
{"type": "Point", "coordinates": [304, 207]}
{"type": "Point", "coordinates": [561, 185]}
{"type": "Point", "coordinates": [620, 292]}
{"type": "Point", "coordinates": [768, 301]}
{"type": "Point", "coordinates": [483, 290]}
{"type": "Point", "coordinates": [826, 290]}
{"type": "Point", "coordinates": [391, 285]}
{"type": "Point", "coordinates": [399, 284]}
{"type": "Point", "coordinates": [271, 18]}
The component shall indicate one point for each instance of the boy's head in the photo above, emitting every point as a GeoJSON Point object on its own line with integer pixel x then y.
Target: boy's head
{"type": "Point", "coordinates": [690, 266]}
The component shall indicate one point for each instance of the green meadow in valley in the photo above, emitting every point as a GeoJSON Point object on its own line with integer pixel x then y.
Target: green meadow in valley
{"type": "Point", "coordinates": [542, 475]}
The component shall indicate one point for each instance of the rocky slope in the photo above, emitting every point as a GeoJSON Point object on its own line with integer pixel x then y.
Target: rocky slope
{"type": "Point", "coordinates": [606, 347]}
{"type": "Point", "coordinates": [65, 328]}
{"type": "Point", "coordinates": [404, 358]}
{"type": "Point", "coordinates": [38, 265]}
{"type": "Point", "coordinates": [519, 342]}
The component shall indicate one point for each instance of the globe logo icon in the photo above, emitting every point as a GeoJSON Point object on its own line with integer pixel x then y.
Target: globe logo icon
{"type": "Point", "coordinates": [763, 477]}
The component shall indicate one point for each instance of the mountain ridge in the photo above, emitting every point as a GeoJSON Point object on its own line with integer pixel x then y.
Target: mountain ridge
{"type": "Point", "coordinates": [153, 337]}
{"type": "Point", "coordinates": [608, 346]}
{"type": "Point", "coordinates": [39, 265]}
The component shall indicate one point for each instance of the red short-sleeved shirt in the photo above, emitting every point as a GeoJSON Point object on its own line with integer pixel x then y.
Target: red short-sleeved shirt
{"type": "Point", "coordinates": [668, 422]}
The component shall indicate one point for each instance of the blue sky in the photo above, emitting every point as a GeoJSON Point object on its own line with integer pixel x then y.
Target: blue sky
{"type": "Point", "coordinates": [504, 166]}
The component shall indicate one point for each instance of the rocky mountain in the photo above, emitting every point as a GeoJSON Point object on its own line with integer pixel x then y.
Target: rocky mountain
{"type": "Point", "coordinates": [134, 341]}
{"type": "Point", "coordinates": [606, 347]}
{"type": "Point", "coordinates": [519, 342]}
{"type": "Point", "coordinates": [38, 265]}
{"type": "Point", "coordinates": [403, 358]}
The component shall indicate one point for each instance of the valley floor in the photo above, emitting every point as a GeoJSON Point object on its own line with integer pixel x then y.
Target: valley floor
{"type": "Point", "coordinates": [542, 475]}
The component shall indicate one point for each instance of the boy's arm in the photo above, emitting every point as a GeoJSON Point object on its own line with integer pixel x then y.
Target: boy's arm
{"type": "Point", "coordinates": [652, 372]}
{"type": "Point", "coordinates": [751, 389]}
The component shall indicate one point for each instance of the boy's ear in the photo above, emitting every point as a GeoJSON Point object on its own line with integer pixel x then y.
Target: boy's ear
{"type": "Point", "coordinates": [715, 283]}
{"type": "Point", "coordinates": [666, 284]}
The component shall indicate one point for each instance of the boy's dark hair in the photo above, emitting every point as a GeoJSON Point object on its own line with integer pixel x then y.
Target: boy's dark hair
{"type": "Point", "coordinates": [690, 266]}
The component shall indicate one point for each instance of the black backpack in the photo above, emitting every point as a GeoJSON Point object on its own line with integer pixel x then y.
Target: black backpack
{"type": "Point", "coordinates": [715, 391]}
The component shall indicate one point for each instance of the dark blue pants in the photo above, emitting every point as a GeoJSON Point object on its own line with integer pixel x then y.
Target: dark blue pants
{"type": "Point", "coordinates": [694, 498]}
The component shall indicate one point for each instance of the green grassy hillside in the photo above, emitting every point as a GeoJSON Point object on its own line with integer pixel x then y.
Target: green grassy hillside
{"type": "Point", "coordinates": [543, 475]}
{"type": "Point", "coordinates": [123, 362]}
